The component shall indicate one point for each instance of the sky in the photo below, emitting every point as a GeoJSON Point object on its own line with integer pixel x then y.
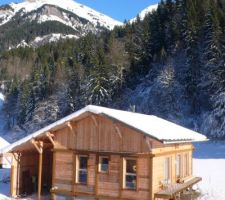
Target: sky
{"type": "Point", "coordinates": [117, 9]}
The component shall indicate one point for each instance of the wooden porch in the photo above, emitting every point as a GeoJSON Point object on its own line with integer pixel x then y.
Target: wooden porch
{"type": "Point", "coordinates": [171, 191]}
{"type": "Point", "coordinates": [31, 170]}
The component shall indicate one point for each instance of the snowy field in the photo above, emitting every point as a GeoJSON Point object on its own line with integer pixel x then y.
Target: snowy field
{"type": "Point", "coordinates": [209, 163]}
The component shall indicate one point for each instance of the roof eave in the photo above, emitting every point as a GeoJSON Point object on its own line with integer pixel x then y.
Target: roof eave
{"type": "Point", "coordinates": [183, 141]}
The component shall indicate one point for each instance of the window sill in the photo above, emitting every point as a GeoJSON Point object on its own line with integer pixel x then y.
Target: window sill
{"type": "Point", "coordinates": [130, 189]}
{"type": "Point", "coordinates": [84, 184]}
{"type": "Point", "coordinates": [106, 173]}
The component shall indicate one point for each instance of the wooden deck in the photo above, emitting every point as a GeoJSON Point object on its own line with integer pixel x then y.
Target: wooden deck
{"type": "Point", "coordinates": [172, 190]}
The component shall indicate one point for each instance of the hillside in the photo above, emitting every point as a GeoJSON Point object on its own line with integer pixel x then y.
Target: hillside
{"type": "Point", "coordinates": [170, 64]}
{"type": "Point", "coordinates": [34, 23]}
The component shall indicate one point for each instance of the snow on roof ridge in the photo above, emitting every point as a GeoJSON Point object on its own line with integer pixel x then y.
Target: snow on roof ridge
{"type": "Point", "coordinates": [156, 123]}
{"type": "Point", "coordinates": [155, 127]}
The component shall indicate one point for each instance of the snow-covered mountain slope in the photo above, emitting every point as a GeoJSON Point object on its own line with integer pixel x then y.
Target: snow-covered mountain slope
{"type": "Point", "coordinates": [144, 12]}
{"type": "Point", "coordinates": [8, 12]}
{"type": "Point", "coordinates": [34, 21]}
{"type": "Point", "coordinates": [39, 41]}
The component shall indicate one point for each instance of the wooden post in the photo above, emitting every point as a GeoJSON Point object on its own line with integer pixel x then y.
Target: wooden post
{"type": "Point", "coordinates": [39, 147]}
{"type": "Point", "coordinates": [12, 174]}
{"type": "Point", "coordinates": [40, 175]}
{"type": "Point", "coordinates": [150, 178]}
{"type": "Point", "coordinates": [40, 170]}
{"type": "Point", "coordinates": [14, 179]}
{"type": "Point", "coordinates": [121, 177]}
{"type": "Point", "coordinates": [96, 176]}
{"type": "Point", "coordinates": [53, 197]}
{"type": "Point", "coordinates": [74, 177]}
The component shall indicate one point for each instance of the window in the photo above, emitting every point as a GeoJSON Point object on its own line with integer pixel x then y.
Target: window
{"type": "Point", "coordinates": [81, 173]}
{"type": "Point", "coordinates": [167, 170]}
{"type": "Point", "coordinates": [178, 166]}
{"type": "Point", "coordinates": [186, 165]}
{"type": "Point", "coordinates": [130, 179]}
{"type": "Point", "coordinates": [103, 164]}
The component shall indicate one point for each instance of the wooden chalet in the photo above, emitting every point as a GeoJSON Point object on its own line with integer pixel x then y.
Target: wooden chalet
{"type": "Point", "coordinates": [104, 154]}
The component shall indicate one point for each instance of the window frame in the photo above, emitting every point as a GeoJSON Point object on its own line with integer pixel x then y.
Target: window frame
{"type": "Point", "coordinates": [167, 170]}
{"type": "Point", "coordinates": [130, 174]}
{"type": "Point", "coordinates": [180, 166]}
{"type": "Point", "coordinates": [100, 164]}
{"type": "Point", "coordinates": [186, 171]}
{"type": "Point", "coordinates": [77, 181]}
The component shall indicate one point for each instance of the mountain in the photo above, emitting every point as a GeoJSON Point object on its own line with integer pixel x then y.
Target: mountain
{"type": "Point", "coordinates": [26, 23]}
{"type": "Point", "coordinates": [144, 12]}
{"type": "Point", "coordinates": [170, 64]}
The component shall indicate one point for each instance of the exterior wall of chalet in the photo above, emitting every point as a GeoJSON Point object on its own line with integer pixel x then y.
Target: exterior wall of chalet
{"type": "Point", "coordinates": [97, 136]}
{"type": "Point", "coordinates": [97, 133]}
{"type": "Point", "coordinates": [150, 173]}
{"type": "Point", "coordinates": [95, 156]}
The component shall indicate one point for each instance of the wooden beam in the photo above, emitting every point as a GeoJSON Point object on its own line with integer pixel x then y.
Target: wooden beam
{"type": "Point", "coordinates": [148, 144]}
{"type": "Point", "coordinates": [37, 146]}
{"type": "Point", "coordinates": [118, 131]}
{"type": "Point", "coordinates": [16, 156]}
{"type": "Point", "coordinates": [50, 137]}
{"type": "Point", "coordinates": [71, 128]}
{"type": "Point", "coordinates": [94, 120]}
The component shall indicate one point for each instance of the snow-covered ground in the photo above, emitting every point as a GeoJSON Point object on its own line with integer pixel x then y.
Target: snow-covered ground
{"type": "Point", "coordinates": [209, 163]}
{"type": "Point", "coordinates": [4, 188]}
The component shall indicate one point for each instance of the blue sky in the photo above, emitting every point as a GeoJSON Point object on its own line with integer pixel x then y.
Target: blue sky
{"type": "Point", "coordinates": [117, 9]}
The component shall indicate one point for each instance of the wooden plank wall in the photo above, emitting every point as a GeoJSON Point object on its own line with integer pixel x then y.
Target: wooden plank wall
{"type": "Point", "coordinates": [105, 184]}
{"type": "Point", "coordinates": [106, 135]}
{"type": "Point", "coordinates": [63, 174]}
{"type": "Point", "coordinates": [28, 162]}
{"type": "Point", "coordinates": [109, 183]}
{"type": "Point", "coordinates": [143, 178]}
{"type": "Point", "coordinates": [159, 159]}
{"type": "Point", "coordinates": [100, 134]}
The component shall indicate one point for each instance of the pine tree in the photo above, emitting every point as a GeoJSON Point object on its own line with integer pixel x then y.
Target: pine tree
{"type": "Point", "coordinates": [192, 53]}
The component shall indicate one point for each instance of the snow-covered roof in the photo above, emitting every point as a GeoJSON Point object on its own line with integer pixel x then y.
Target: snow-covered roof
{"type": "Point", "coordinates": [155, 127]}
{"type": "Point", "coordinates": [3, 143]}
